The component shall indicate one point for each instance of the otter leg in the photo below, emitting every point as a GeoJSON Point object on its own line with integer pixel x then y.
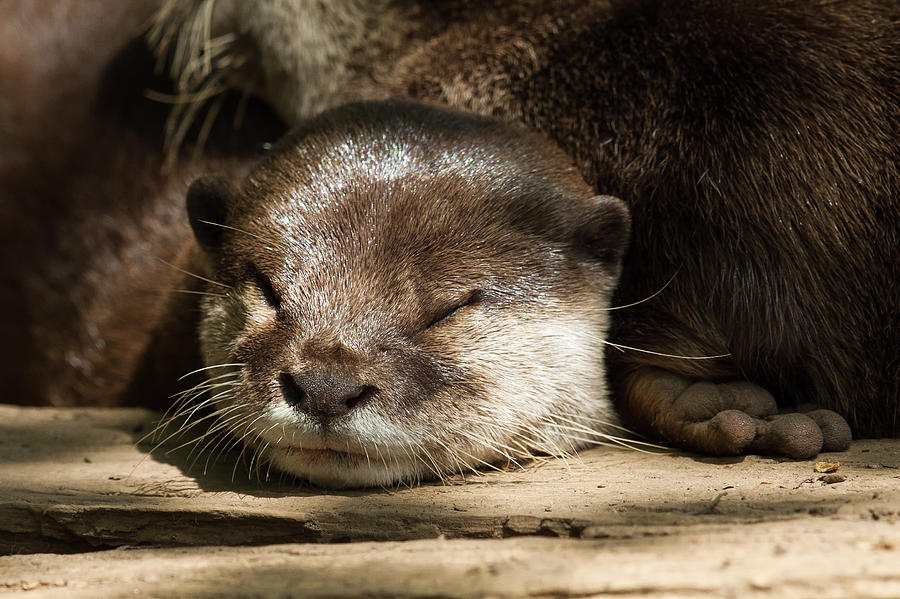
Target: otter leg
{"type": "Point", "coordinates": [726, 418]}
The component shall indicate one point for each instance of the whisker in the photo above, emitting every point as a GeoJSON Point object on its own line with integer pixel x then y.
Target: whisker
{"type": "Point", "coordinates": [179, 407]}
{"type": "Point", "coordinates": [238, 460]}
{"type": "Point", "coordinates": [452, 455]}
{"type": "Point", "coordinates": [621, 347]}
{"type": "Point", "coordinates": [225, 427]}
{"type": "Point", "coordinates": [605, 436]}
{"type": "Point", "coordinates": [207, 126]}
{"type": "Point", "coordinates": [192, 292]}
{"type": "Point", "coordinates": [493, 446]}
{"type": "Point", "coordinates": [631, 442]}
{"type": "Point", "coordinates": [648, 298]}
{"type": "Point", "coordinates": [186, 113]}
{"type": "Point", "coordinates": [210, 368]}
{"type": "Point", "coordinates": [614, 442]}
{"type": "Point", "coordinates": [480, 461]}
{"type": "Point", "coordinates": [256, 458]}
{"type": "Point", "coordinates": [529, 443]}
{"type": "Point", "coordinates": [606, 423]}
{"type": "Point", "coordinates": [224, 416]}
{"type": "Point", "coordinates": [161, 430]}
{"type": "Point", "coordinates": [414, 450]}
{"type": "Point", "coordinates": [180, 433]}
{"type": "Point", "coordinates": [182, 414]}
{"type": "Point", "coordinates": [556, 449]}
{"type": "Point", "coordinates": [230, 228]}
{"type": "Point", "coordinates": [191, 274]}
{"type": "Point", "coordinates": [183, 98]}
{"type": "Point", "coordinates": [211, 437]}
{"type": "Point", "coordinates": [205, 384]}
{"type": "Point", "coordinates": [187, 402]}
{"type": "Point", "coordinates": [437, 469]}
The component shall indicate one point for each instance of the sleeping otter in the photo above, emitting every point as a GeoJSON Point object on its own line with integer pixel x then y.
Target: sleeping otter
{"type": "Point", "coordinates": [755, 147]}
{"type": "Point", "coordinates": [402, 291]}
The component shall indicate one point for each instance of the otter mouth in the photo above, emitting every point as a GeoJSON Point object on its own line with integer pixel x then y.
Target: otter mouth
{"type": "Point", "coordinates": [324, 455]}
{"type": "Point", "coordinates": [327, 467]}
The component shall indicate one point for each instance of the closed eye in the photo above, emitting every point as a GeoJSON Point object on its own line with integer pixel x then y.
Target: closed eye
{"type": "Point", "coordinates": [450, 310]}
{"type": "Point", "coordinates": [264, 285]}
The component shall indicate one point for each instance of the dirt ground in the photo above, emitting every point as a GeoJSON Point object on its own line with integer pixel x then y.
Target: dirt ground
{"type": "Point", "coordinates": [84, 512]}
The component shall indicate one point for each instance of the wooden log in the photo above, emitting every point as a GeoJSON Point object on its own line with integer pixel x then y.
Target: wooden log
{"type": "Point", "coordinates": [73, 483]}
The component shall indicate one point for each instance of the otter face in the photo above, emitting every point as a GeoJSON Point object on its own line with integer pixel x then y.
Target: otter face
{"type": "Point", "coordinates": [410, 293]}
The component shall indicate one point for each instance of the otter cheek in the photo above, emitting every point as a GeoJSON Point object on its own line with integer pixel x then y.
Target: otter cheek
{"type": "Point", "coordinates": [220, 325]}
{"type": "Point", "coordinates": [542, 372]}
{"type": "Point", "coordinates": [225, 326]}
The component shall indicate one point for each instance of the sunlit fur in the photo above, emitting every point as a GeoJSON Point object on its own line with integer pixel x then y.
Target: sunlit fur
{"type": "Point", "coordinates": [755, 144]}
{"type": "Point", "coordinates": [528, 405]}
{"type": "Point", "coordinates": [362, 259]}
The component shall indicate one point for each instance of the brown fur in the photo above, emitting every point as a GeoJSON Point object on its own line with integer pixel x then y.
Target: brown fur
{"type": "Point", "coordinates": [419, 287]}
{"type": "Point", "coordinates": [755, 144]}
{"type": "Point", "coordinates": [88, 216]}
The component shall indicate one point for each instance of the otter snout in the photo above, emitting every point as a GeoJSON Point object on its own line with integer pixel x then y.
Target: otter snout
{"type": "Point", "coordinates": [323, 396]}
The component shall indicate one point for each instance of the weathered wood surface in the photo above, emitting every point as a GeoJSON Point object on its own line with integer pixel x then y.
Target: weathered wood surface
{"type": "Point", "coordinates": [74, 487]}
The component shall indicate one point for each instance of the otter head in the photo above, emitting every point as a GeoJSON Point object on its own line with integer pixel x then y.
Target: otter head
{"type": "Point", "coordinates": [410, 292]}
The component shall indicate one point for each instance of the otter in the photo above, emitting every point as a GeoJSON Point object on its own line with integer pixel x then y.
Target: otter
{"type": "Point", "coordinates": [399, 291]}
{"type": "Point", "coordinates": [754, 147]}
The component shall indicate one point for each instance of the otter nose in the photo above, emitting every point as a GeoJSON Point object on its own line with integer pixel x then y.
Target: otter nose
{"type": "Point", "coordinates": [323, 396]}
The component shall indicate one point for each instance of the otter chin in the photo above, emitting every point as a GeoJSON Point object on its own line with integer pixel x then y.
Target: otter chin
{"type": "Point", "coordinates": [399, 292]}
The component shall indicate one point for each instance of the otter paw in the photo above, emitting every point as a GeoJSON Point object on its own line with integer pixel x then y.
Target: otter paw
{"type": "Point", "coordinates": [722, 419]}
{"type": "Point", "coordinates": [802, 435]}
{"type": "Point", "coordinates": [733, 418]}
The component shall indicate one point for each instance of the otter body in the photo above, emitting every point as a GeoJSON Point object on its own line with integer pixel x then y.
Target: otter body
{"type": "Point", "coordinates": [754, 146]}
{"type": "Point", "coordinates": [92, 227]}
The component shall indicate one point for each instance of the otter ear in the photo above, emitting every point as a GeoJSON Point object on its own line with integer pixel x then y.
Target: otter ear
{"type": "Point", "coordinates": [604, 229]}
{"type": "Point", "coordinates": [208, 199]}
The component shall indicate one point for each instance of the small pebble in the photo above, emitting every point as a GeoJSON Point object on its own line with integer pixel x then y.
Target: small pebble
{"type": "Point", "coordinates": [827, 466]}
{"type": "Point", "coordinates": [830, 479]}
